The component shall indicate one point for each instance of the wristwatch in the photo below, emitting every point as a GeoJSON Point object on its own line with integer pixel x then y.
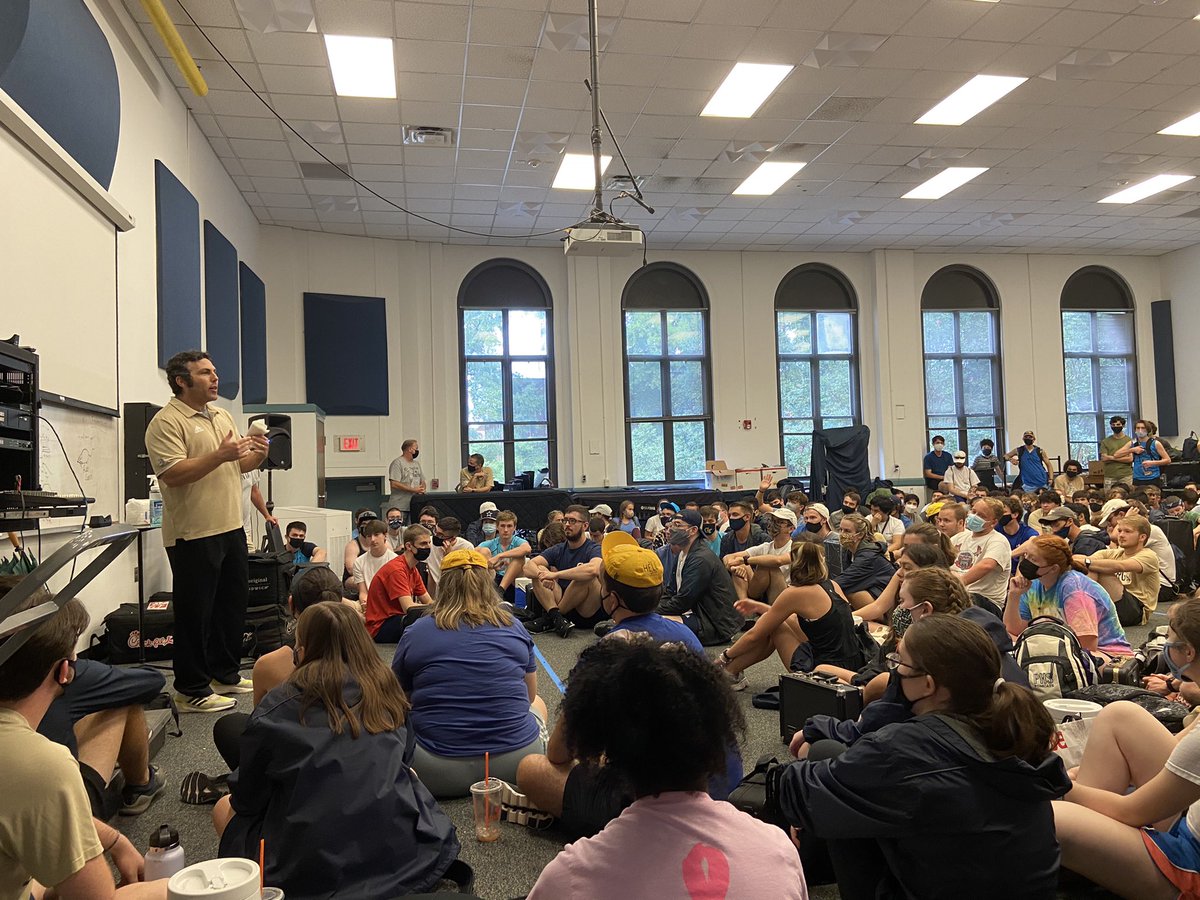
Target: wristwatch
{"type": "Point", "coordinates": [1087, 563]}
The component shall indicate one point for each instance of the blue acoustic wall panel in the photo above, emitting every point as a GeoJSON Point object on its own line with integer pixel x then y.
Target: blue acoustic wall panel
{"type": "Point", "coordinates": [56, 63]}
{"type": "Point", "coordinates": [178, 231]}
{"type": "Point", "coordinates": [345, 354]}
{"type": "Point", "coordinates": [222, 323]}
{"type": "Point", "coordinates": [254, 336]}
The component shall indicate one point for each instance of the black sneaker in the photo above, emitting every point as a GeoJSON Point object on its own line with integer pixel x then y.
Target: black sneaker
{"type": "Point", "coordinates": [135, 800]}
{"type": "Point", "coordinates": [526, 613]}
{"type": "Point", "coordinates": [562, 625]}
{"type": "Point", "coordinates": [603, 628]}
{"type": "Point", "coordinates": [539, 625]}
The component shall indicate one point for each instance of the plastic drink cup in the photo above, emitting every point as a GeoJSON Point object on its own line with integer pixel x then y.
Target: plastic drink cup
{"type": "Point", "coordinates": [485, 802]}
{"type": "Point", "coordinates": [272, 893]}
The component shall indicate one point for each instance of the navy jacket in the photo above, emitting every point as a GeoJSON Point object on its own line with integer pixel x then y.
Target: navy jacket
{"type": "Point", "coordinates": [950, 819]}
{"type": "Point", "coordinates": [341, 816]}
{"type": "Point", "coordinates": [868, 570]}
{"type": "Point", "coordinates": [705, 591]}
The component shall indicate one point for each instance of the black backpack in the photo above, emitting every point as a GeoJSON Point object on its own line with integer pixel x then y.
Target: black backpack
{"type": "Point", "coordinates": [1053, 659]}
{"type": "Point", "coordinates": [1191, 448]}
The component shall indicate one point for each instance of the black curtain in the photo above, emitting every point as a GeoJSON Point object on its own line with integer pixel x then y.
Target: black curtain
{"type": "Point", "coordinates": [839, 463]}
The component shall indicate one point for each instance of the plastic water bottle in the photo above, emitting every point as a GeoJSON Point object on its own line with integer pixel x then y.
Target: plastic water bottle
{"type": "Point", "coordinates": [156, 503]}
{"type": "Point", "coordinates": [520, 586]}
{"type": "Point", "coordinates": [165, 856]}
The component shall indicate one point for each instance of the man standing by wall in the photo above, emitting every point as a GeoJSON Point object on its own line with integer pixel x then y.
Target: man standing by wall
{"type": "Point", "coordinates": [406, 478]}
{"type": "Point", "coordinates": [199, 458]}
{"type": "Point", "coordinates": [1116, 471]}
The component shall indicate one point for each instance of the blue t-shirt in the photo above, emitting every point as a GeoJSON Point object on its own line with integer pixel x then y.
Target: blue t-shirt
{"type": "Point", "coordinates": [1140, 472]}
{"type": "Point", "coordinates": [494, 546]}
{"type": "Point", "coordinates": [467, 687]}
{"type": "Point", "coordinates": [661, 629]}
{"type": "Point", "coordinates": [1022, 534]}
{"type": "Point", "coordinates": [938, 466]}
{"type": "Point", "coordinates": [304, 555]}
{"type": "Point", "coordinates": [561, 557]}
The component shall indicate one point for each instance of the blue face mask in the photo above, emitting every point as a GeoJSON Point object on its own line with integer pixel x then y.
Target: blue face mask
{"type": "Point", "coordinates": [1176, 670]}
{"type": "Point", "coordinates": [489, 527]}
{"type": "Point", "coordinates": [974, 523]}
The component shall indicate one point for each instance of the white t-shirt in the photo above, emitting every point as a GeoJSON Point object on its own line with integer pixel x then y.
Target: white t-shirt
{"type": "Point", "coordinates": [1166, 555]}
{"type": "Point", "coordinates": [976, 547]}
{"type": "Point", "coordinates": [891, 527]}
{"type": "Point", "coordinates": [769, 549]}
{"type": "Point", "coordinates": [367, 565]}
{"type": "Point", "coordinates": [960, 480]}
{"type": "Point", "coordinates": [249, 480]}
{"type": "Point", "coordinates": [1184, 761]}
{"type": "Point", "coordinates": [438, 553]}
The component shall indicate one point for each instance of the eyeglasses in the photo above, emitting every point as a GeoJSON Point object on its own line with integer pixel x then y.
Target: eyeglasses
{"type": "Point", "coordinates": [894, 662]}
{"type": "Point", "coordinates": [568, 521]}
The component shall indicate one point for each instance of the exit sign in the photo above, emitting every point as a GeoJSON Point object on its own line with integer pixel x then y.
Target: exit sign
{"type": "Point", "coordinates": [350, 443]}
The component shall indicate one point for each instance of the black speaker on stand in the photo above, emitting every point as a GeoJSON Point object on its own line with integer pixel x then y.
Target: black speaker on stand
{"type": "Point", "coordinates": [279, 447]}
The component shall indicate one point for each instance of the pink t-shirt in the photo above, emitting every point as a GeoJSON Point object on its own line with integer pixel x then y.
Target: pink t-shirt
{"type": "Point", "coordinates": [681, 845]}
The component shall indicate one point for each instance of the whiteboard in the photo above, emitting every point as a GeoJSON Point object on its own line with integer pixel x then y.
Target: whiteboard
{"type": "Point", "coordinates": [92, 443]}
{"type": "Point", "coordinates": [60, 277]}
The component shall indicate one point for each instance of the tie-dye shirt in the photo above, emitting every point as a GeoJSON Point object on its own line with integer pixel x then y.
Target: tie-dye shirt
{"type": "Point", "coordinates": [1083, 605]}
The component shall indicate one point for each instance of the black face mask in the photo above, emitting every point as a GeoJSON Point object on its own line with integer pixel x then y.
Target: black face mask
{"type": "Point", "coordinates": [1070, 473]}
{"type": "Point", "coordinates": [438, 540]}
{"type": "Point", "coordinates": [736, 523]}
{"type": "Point", "coordinates": [813, 527]}
{"type": "Point", "coordinates": [295, 543]}
{"type": "Point", "coordinates": [422, 553]}
{"type": "Point", "coordinates": [470, 467]}
{"type": "Point", "coordinates": [395, 524]}
{"type": "Point", "coordinates": [708, 529]}
{"type": "Point", "coordinates": [1095, 507]}
{"type": "Point", "coordinates": [849, 509]}
{"type": "Point", "coordinates": [1117, 429]}
{"type": "Point", "coordinates": [416, 453]}
{"type": "Point", "coordinates": [1028, 442]}
{"type": "Point", "coordinates": [1004, 520]}
{"type": "Point", "coordinates": [1028, 569]}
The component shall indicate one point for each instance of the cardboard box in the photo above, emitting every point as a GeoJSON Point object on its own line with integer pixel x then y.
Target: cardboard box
{"type": "Point", "coordinates": [750, 479]}
{"type": "Point", "coordinates": [718, 476]}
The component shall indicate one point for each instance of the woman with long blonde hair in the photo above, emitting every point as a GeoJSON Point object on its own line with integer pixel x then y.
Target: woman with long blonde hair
{"type": "Point", "coordinates": [470, 671]}
{"type": "Point", "coordinates": [324, 777]}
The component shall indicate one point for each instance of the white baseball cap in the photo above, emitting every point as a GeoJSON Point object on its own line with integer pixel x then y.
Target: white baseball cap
{"type": "Point", "coordinates": [601, 509]}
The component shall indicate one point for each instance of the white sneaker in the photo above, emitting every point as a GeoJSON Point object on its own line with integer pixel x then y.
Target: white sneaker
{"type": "Point", "coordinates": [516, 808]}
{"type": "Point", "coordinates": [737, 682]}
{"type": "Point", "coordinates": [210, 704]}
{"type": "Point", "coordinates": [243, 686]}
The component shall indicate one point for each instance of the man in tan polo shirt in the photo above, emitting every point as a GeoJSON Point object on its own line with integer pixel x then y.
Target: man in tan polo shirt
{"type": "Point", "coordinates": [199, 457]}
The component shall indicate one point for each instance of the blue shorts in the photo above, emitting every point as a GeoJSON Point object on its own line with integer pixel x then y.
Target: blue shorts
{"type": "Point", "coordinates": [1177, 855]}
{"type": "Point", "coordinates": [96, 687]}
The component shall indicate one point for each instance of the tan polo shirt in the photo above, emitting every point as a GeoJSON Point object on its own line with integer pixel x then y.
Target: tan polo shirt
{"type": "Point", "coordinates": [212, 505]}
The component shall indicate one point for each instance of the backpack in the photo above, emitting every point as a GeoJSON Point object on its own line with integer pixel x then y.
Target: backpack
{"type": "Point", "coordinates": [1053, 659]}
{"type": "Point", "coordinates": [1191, 448]}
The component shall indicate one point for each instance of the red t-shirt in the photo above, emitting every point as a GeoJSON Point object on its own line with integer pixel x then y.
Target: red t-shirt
{"type": "Point", "coordinates": [393, 581]}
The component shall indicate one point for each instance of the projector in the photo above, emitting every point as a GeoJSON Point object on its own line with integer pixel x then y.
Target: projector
{"type": "Point", "coordinates": [603, 240]}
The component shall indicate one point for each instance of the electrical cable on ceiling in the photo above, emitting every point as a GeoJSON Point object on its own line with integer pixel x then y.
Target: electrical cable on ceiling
{"type": "Point", "coordinates": [345, 171]}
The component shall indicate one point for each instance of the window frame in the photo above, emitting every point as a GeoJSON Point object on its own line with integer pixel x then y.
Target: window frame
{"type": "Point", "coordinates": [506, 360]}
{"type": "Point", "coordinates": [985, 299]}
{"type": "Point", "coordinates": [1118, 301]}
{"type": "Point", "coordinates": [664, 359]}
{"type": "Point", "coordinates": [839, 298]}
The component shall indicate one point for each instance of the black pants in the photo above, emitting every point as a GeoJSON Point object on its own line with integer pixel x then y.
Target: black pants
{"type": "Point", "coordinates": [209, 582]}
{"type": "Point", "coordinates": [393, 628]}
{"type": "Point", "coordinates": [227, 736]}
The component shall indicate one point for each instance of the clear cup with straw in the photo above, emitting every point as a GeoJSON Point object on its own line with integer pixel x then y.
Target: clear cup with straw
{"type": "Point", "coordinates": [485, 802]}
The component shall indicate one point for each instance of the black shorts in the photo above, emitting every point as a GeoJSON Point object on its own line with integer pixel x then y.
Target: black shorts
{"type": "Point", "coordinates": [593, 797]}
{"type": "Point", "coordinates": [1129, 609]}
{"type": "Point", "coordinates": [97, 686]}
{"type": "Point", "coordinates": [582, 621]}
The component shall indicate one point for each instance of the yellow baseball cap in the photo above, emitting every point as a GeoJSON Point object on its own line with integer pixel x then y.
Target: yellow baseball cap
{"type": "Point", "coordinates": [628, 562]}
{"type": "Point", "coordinates": [457, 559]}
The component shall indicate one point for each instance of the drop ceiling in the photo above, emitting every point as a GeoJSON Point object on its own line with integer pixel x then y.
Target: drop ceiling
{"type": "Point", "coordinates": [507, 76]}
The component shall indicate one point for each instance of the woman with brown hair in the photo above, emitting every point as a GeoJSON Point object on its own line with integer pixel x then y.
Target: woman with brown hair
{"type": "Point", "coordinates": [324, 777]}
{"type": "Point", "coordinates": [952, 803]}
{"type": "Point", "coordinates": [470, 671]}
{"type": "Point", "coordinates": [808, 624]}
{"type": "Point", "coordinates": [1049, 583]}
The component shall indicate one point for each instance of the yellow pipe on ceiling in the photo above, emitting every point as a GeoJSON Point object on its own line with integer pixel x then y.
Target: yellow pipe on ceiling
{"type": "Point", "coordinates": [175, 45]}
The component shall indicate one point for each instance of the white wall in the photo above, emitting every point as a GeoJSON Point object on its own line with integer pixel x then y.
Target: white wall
{"type": "Point", "coordinates": [1181, 283]}
{"type": "Point", "coordinates": [155, 124]}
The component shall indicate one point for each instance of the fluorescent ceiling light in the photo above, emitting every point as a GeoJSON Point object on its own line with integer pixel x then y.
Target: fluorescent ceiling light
{"type": "Point", "coordinates": [1146, 188]}
{"type": "Point", "coordinates": [944, 182]}
{"type": "Point", "coordinates": [768, 178]}
{"type": "Point", "coordinates": [1189, 127]}
{"type": "Point", "coordinates": [744, 89]}
{"type": "Point", "coordinates": [577, 172]}
{"type": "Point", "coordinates": [971, 99]}
{"type": "Point", "coordinates": [361, 66]}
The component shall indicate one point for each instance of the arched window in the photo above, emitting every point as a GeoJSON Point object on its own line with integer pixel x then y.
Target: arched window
{"type": "Point", "coordinates": [668, 390]}
{"type": "Point", "coordinates": [507, 345]}
{"type": "Point", "coordinates": [816, 349]}
{"type": "Point", "coordinates": [1099, 361]}
{"type": "Point", "coordinates": [960, 324]}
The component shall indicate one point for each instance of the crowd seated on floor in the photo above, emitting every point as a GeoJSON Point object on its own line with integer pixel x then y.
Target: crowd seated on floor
{"type": "Point", "coordinates": [918, 604]}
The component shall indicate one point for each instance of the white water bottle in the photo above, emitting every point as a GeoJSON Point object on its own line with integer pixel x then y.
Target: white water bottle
{"type": "Point", "coordinates": [156, 503]}
{"type": "Point", "coordinates": [165, 856]}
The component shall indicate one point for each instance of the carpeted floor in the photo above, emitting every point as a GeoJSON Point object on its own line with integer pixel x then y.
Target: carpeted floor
{"type": "Point", "coordinates": [504, 869]}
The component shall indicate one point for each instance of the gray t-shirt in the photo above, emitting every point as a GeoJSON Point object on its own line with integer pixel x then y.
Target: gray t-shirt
{"type": "Point", "coordinates": [405, 472]}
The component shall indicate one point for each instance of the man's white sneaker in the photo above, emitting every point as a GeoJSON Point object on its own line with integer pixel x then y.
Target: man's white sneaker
{"type": "Point", "coordinates": [243, 686]}
{"type": "Point", "coordinates": [213, 703]}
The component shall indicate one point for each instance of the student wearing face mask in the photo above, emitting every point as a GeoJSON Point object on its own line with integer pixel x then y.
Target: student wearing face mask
{"type": "Point", "coordinates": [475, 478]}
{"type": "Point", "coordinates": [988, 465]}
{"type": "Point", "coordinates": [936, 462]}
{"type": "Point", "coordinates": [760, 573]}
{"type": "Point", "coordinates": [815, 521]}
{"type": "Point", "coordinates": [1131, 823]}
{"type": "Point", "coordinates": [984, 559]}
{"type": "Point", "coordinates": [1071, 479]}
{"type": "Point", "coordinates": [954, 802]}
{"type": "Point", "coordinates": [743, 531]}
{"type": "Point", "coordinates": [1146, 453]}
{"type": "Point", "coordinates": [1015, 531]}
{"type": "Point", "coordinates": [397, 596]}
{"type": "Point", "coordinates": [483, 528]}
{"type": "Point", "coordinates": [355, 548]}
{"type": "Point", "coordinates": [1034, 471]}
{"type": "Point", "coordinates": [708, 529]}
{"type": "Point", "coordinates": [850, 501]}
{"type": "Point", "coordinates": [1063, 522]}
{"type": "Point", "coordinates": [911, 514]}
{"type": "Point", "coordinates": [303, 552]}
{"type": "Point", "coordinates": [960, 478]}
{"type": "Point", "coordinates": [866, 571]}
{"type": "Point", "coordinates": [655, 523]}
{"type": "Point", "coordinates": [406, 478]}
{"type": "Point", "coordinates": [1117, 469]}
{"type": "Point", "coordinates": [395, 522]}
{"type": "Point", "coordinates": [703, 597]}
